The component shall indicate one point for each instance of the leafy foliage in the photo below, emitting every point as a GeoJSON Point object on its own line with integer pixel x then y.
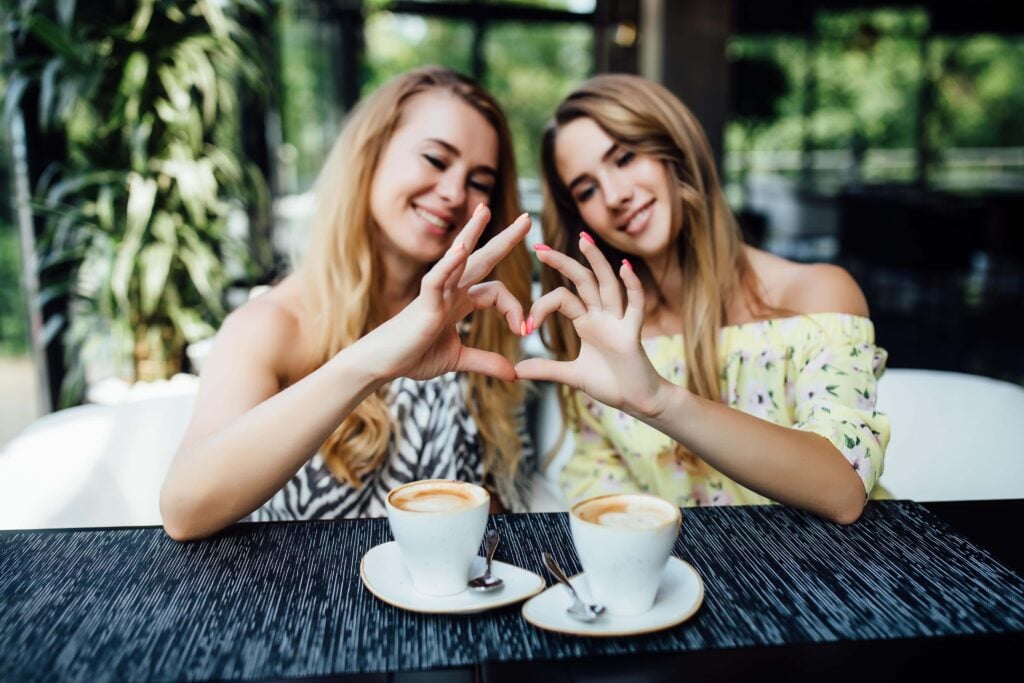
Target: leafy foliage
{"type": "Point", "coordinates": [867, 70]}
{"type": "Point", "coordinates": [136, 217]}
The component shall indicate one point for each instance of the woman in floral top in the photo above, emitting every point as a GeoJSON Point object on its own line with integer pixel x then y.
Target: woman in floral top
{"type": "Point", "coordinates": [698, 368]}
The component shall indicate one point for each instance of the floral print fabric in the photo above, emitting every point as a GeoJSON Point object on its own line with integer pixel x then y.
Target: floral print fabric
{"type": "Point", "coordinates": [816, 372]}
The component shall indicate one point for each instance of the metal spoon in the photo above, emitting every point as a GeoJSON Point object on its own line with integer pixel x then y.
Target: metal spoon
{"type": "Point", "coordinates": [487, 581]}
{"type": "Point", "coordinates": [579, 610]}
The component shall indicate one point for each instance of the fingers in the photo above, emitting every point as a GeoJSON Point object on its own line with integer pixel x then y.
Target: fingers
{"type": "Point", "coordinates": [580, 275]}
{"type": "Point", "coordinates": [496, 294]}
{"type": "Point", "coordinates": [483, 261]}
{"type": "Point", "coordinates": [634, 314]}
{"type": "Point", "coordinates": [486, 363]}
{"type": "Point", "coordinates": [544, 369]}
{"type": "Point", "coordinates": [450, 265]}
{"type": "Point", "coordinates": [559, 299]}
{"type": "Point", "coordinates": [470, 234]}
{"type": "Point", "coordinates": [607, 283]}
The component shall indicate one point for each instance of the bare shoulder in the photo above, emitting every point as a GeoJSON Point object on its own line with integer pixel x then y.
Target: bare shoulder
{"type": "Point", "coordinates": [254, 356]}
{"type": "Point", "coordinates": [807, 288]}
{"type": "Point", "coordinates": [265, 332]}
{"type": "Point", "coordinates": [825, 288]}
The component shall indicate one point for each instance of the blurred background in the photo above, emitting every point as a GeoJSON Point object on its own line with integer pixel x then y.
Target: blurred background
{"type": "Point", "coordinates": [158, 155]}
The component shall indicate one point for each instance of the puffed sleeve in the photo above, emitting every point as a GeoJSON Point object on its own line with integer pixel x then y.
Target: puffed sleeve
{"type": "Point", "coordinates": [837, 369]}
{"type": "Point", "coordinates": [595, 467]}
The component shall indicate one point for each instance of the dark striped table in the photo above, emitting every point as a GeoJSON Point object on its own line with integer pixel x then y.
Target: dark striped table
{"type": "Point", "coordinates": [275, 601]}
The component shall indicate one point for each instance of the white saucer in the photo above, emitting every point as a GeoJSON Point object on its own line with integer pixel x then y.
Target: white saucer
{"type": "Point", "coordinates": [384, 574]}
{"type": "Point", "coordinates": [679, 597]}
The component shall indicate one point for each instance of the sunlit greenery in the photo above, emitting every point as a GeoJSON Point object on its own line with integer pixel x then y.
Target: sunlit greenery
{"type": "Point", "coordinates": [399, 42]}
{"type": "Point", "coordinates": [13, 320]}
{"type": "Point", "coordinates": [136, 216]}
{"type": "Point", "coordinates": [310, 109]}
{"type": "Point", "coordinates": [527, 67]}
{"type": "Point", "coordinates": [857, 84]}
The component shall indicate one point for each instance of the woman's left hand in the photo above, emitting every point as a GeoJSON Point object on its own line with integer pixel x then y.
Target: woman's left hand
{"type": "Point", "coordinates": [612, 366]}
{"type": "Point", "coordinates": [421, 341]}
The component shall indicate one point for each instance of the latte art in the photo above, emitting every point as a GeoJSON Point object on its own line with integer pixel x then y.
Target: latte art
{"type": "Point", "coordinates": [436, 497]}
{"type": "Point", "coordinates": [633, 513]}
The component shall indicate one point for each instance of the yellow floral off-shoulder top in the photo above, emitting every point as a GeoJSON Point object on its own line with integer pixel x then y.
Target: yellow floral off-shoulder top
{"type": "Point", "coordinates": [815, 372]}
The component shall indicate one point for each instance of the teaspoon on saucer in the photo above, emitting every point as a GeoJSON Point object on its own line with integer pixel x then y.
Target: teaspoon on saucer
{"type": "Point", "coordinates": [579, 610]}
{"type": "Point", "coordinates": [487, 581]}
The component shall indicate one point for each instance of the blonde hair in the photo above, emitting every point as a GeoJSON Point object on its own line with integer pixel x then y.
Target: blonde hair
{"type": "Point", "coordinates": [646, 118]}
{"type": "Point", "coordinates": [343, 273]}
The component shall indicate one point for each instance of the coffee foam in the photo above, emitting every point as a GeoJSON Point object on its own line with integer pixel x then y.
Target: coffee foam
{"type": "Point", "coordinates": [436, 497]}
{"type": "Point", "coordinates": [632, 513]}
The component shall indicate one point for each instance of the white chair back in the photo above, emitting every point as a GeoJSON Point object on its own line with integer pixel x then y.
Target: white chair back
{"type": "Point", "coordinates": [954, 436]}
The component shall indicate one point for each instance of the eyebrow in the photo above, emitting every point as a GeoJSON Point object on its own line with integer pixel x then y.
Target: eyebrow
{"type": "Point", "coordinates": [604, 157]}
{"type": "Point", "coordinates": [452, 149]}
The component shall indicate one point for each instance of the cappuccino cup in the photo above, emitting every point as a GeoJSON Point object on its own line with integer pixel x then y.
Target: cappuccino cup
{"type": "Point", "coordinates": [438, 525]}
{"type": "Point", "coordinates": [624, 542]}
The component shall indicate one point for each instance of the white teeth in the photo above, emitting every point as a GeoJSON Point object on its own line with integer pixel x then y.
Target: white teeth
{"type": "Point", "coordinates": [431, 218]}
{"type": "Point", "coordinates": [638, 218]}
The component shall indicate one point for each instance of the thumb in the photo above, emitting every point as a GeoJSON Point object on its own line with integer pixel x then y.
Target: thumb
{"type": "Point", "coordinates": [563, 372]}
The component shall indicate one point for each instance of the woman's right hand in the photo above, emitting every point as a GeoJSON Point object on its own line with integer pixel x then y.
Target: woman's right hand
{"type": "Point", "coordinates": [422, 341]}
{"type": "Point", "coordinates": [612, 366]}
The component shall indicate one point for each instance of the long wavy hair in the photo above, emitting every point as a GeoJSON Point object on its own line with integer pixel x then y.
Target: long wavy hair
{"type": "Point", "coordinates": [343, 273]}
{"type": "Point", "coordinates": [646, 118]}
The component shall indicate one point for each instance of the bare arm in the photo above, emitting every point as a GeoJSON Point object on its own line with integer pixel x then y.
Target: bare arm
{"type": "Point", "coordinates": [791, 466]}
{"type": "Point", "coordinates": [248, 437]}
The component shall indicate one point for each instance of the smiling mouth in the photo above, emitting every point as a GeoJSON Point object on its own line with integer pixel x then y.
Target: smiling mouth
{"type": "Point", "coordinates": [638, 217]}
{"type": "Point", "coordinates": [433, 219]}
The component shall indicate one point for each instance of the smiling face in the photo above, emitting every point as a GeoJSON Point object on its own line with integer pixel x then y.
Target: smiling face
{"type": "Point", "coordinates": [439, 164]}
{"type": "Point", "coordinates": [623, 196]}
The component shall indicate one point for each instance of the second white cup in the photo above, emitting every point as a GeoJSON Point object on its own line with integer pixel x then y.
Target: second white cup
{"type": "Point", "coordinates": [438, 524]}
{"type": "Point", "coordinates": [624, 542]}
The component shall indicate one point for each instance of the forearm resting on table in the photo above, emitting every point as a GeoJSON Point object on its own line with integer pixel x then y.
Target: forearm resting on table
{"type": "Point", "coordinates": [223, 476]}
{"type": "Point", "coordinates": [795, 467]}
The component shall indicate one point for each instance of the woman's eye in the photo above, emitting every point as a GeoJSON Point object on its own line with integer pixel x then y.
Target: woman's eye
{"type": "Point", "coordinates": [585, 194]}
{"type": "Point", "coordinates": [434, 161]}
{"type": "Point", "coordinates": [626, 158]}
{"type": "Point", "coordinates": [480, 187]}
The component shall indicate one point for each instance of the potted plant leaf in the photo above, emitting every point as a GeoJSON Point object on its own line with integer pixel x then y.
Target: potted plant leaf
{"type": "Point", "coordinates": [136, 217]}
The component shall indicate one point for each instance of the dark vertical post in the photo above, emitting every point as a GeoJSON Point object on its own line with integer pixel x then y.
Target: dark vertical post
{"type": "Point", "coordinates": [477, 57]}
{"type": "Point", "coordinates": [694, 64]}
{"type": "Point", "coordinates": [616, 26]}
{"type": "Point", "coordinates": [347, 16]}
{"type": "Point", "coordinates": [807, 104]}
{"type": "Point", "coordinates": [34, 150]}
{"type": "Point", "coordinates": [925, 95]}
{"type": "Point", "coordinates": [255, 109]}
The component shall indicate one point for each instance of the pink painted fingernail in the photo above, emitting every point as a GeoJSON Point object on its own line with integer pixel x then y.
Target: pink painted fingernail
{"type": "Point", "coordinates": [626, 263]}
{"type": "Point", "coordinates": [525, 214]}
{"type": "Point", "coordinates": [586, 236]}
{"type": "Point", "coordinates": [541, 247]}
{"type": "Point", "coordinates": [529, 325]}
{"type": "Point", "coordinates": [522, 328]}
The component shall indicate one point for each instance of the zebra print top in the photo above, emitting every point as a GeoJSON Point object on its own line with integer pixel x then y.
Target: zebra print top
{"type": "Point", "coordinates": [433, 437]}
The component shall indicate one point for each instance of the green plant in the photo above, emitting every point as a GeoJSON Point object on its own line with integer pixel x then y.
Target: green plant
{"type": "Point", "coordinates": [136, 217]}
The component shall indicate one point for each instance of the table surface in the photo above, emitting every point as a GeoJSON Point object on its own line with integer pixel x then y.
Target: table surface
{"type": "Point", "coordinates": [927, 586]}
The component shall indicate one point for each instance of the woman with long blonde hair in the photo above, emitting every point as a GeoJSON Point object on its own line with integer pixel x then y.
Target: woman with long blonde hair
{"type": "Point", "coordinates": [375, 362]}
{"type": "Point", "coordinates": [696, 368]}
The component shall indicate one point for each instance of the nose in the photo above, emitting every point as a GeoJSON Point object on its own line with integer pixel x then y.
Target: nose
{"type": "Point", "coordinates": [618, 191]}
{"type": "Point", "coordinates": [451, 187]}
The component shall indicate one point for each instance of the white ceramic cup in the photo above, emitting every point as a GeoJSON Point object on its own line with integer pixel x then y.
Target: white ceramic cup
{"type": "Point", "coordinates": [624, 542]}
{"type": "Point", "coordinates": [438, 524]}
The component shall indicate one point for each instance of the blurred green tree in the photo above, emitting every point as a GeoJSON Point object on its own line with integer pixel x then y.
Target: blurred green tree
{"type": "Point", "coordinates": [138, 216]}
